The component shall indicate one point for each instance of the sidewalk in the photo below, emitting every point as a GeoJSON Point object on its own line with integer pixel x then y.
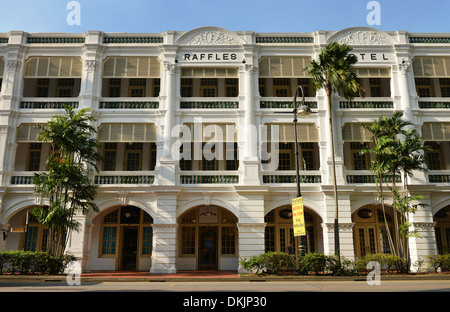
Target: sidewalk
{"type": "Point", "coordinates": [208, 276]}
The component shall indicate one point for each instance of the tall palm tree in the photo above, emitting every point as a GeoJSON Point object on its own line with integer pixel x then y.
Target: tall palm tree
{"type": "Point", "coordinates": [332, 72]}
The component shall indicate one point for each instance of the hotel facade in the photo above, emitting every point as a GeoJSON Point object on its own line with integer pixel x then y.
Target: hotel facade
{"type": "Point", "coordinates": [189, 124]}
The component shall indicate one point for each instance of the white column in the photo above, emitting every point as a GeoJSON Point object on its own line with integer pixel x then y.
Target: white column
{"type": "Point", "coordinates": [250, 161]}
{"type": "Point", "coordinates": [164, 248]}
{"type": "Point", "coordinates": [251, 224]}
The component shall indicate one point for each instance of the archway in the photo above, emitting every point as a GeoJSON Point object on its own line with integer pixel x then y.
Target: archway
{"type": "Point", "coordinates": [279, 230]}
{"type": "Point", "coordinates": [370, 234]}
{"type": "Point", "coordinates": [208, 239]}
{"type": "Point", "coordinates": [124, 239]}
{"type": "Point", "coordinates": [442, 230]}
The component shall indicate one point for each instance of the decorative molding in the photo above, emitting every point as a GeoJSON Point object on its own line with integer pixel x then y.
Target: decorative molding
{"type": "Point", "coordinates": [209, 37]}
{"type": "Point", "coordinates": [251, 227]}
{"type": "Point", "coordinates": [363, 37]}
{"type": "Point", "coordinates": [343, 227]}
{"type": "Point", "coordinates": [169, 67]}
{"type": "Point", "coordinates": [424, 226]}
{"type": "Point", "coordinates": [90, 65]}
{"type": "Point", "coordinates": [12, 65]}
{"type": "Point", "coordinates": [164, 228]}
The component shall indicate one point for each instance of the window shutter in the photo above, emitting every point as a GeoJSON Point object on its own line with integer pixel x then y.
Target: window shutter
{"type": "Point", "coordinates": [306, 133]}
{"type": "Point", "coordinates": [210, 133]}
{"type": "Point", "coordinates": [436, 131]}
{"type": "Point", "coordinates": [127, 133]}
{"type": "Point", "coordinates": [131, 67]}
{"type": "Point", "coordinates": [53, 67]}
{"type": "Point", "coordinates": [372, 72]}
{"type": "Point", "coordinates": [27, 133]}
{"type": "Point", "coordinates": [209, 73]}
{"type": "Point", "coordinates": [284, 66]}
{"type": "Point", "coordinates": [356, 133]}
{"type": "Point", "coordinates": [431, 66]}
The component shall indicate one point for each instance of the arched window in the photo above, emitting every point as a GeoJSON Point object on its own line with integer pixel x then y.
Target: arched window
{"type": "Point", "coordinates": [442, 230]}
{"type": "Point", "coordinates": [127, 235]}
{"type": "Point", "coordinates": [370, 233]}
{"type": "Point", "coordinates": [279, 231]}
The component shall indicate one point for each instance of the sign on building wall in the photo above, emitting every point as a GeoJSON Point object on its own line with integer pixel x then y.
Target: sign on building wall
{"type": "Point", "coordinates": [298, 216]}
{"type": "Point", "coordinates": [208, 214]}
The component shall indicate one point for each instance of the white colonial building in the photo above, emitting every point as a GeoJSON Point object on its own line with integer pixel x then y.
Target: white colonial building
{"type": "Point", "coordinates": [229, 195]}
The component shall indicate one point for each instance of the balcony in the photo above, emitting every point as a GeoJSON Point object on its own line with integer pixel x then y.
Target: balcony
{"type": "Point", "coordinates": [209, 103]}
{"type": "Point", "coordinates": [439, 176]}
{"type": "Point", "coordinates": [48, 103]}
{"type": "Point", "coordinates": [124, 177]}
{"type": "Point", "coordinates": [434, 103]}
{"type": "Point", "coordinates": [279, 103]}
{"type": "Point", "coordinates": [209, 177]}
{"type": "Point", "coordinates": [366, 177]}
{"type": "Point", "coordinates": [129, 103]}
{"type": "Point", "coordinates": [368, 103]}
{"type": "Point", "coordinates": [283, 177]}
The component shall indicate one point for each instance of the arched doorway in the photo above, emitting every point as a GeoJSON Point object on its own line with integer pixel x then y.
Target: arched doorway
{"type": "Point", "coordinates": [208, 239]}
{"type": "Point", "coordinates": [442, 230]}
{"type": "Point", "coordinates": [370, 235]}
{"type": "Point", "coordinates": [126, 236]}
{"type": "Point", "coordinates": [279, 230]}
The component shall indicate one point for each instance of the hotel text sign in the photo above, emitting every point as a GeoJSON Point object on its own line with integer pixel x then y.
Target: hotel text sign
{"type": "Point", "coordinates": [374, 57]}
{"type": "Point", "coordinates": [209, 57]}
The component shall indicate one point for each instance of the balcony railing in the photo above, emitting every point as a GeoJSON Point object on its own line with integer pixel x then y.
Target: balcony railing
{"type": "Point", "coordinates": [116, 178]}
{"type": "Point", "coordinates": [22, 178]}
{"type": "Point", "coordinates": [369, 103]}
{"type": "Point", "coordinates": [277, 177]}
{"type": "Point", "coordinates": [208, 177]}
{"type": "Point", "coordinates": [365, 176]}
{"type": "Point", "coordinates": [271, 102]}
{"type": "Point", "coordinates": [48, 103]}
{"type": "Point", "coordinates": [441, 176]}
{"type": "Point", "coordinates": [434, 103]}
{"type": "Point", "coordinates": [129, 103]}
{"type": "Point", "coordinates": [209, 103]}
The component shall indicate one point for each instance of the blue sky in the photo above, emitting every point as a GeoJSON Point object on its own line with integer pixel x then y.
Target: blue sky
{"type": "Point", "coordinates": [155, 16]}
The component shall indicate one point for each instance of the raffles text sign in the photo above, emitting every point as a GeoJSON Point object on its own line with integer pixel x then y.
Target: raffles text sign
{"type": "Point", "coordinates": [210, 57]}
{"type": "Point", "coordinates": [298, 217]}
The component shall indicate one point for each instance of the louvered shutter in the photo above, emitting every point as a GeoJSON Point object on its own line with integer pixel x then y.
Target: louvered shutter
{"type": "Point", "coordinates": [284, 66]}
{"type": "Point", "coordinates": [127, 133]}
{"type": "Point", "coordinates": [436, 131]}
{"type": "Point", "coordinates": [431, 66]}
{"type": "Point", "coordinates": [306, 133]}
{"type": "Point", "coordinates": [27, 133]}
{"type": "Point", "coordinates": [372, 72]}
{"type": "Point", "coordinates": [131, 67]}
{"type": "Point", "coordinates": [356, 133]}
{"type": "Point", "coordinates": [53, 67]}
{"type": "Point", "coordinates": [209, 73]}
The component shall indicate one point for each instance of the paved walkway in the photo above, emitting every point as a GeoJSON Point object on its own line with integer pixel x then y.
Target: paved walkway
{"type": "Point", "coordinates": [147, 275]}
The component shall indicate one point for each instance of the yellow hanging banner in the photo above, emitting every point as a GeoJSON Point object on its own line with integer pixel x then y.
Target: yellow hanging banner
{"type": "Point", "coordinates": [298, 216]}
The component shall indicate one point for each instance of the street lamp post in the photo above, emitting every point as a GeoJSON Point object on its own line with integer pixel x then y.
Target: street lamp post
{"type": "Point", "coordinates": [302, 111]}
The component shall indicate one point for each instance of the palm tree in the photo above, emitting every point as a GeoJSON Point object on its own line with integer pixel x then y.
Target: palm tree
{"type": "Point", "coordinates": [333, 72]}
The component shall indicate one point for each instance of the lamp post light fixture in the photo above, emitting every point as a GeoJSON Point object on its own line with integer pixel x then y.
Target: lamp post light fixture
{"type": "Point", "coordinates": [302, 111]}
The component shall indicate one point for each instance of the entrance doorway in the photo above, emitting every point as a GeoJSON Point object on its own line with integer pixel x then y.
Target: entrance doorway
{"type": "Point", "coordinates": [129, 248]}
{"type": "Point", "coordinates": [207, 258]}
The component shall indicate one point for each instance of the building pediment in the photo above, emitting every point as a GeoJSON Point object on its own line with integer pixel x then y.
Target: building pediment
{"type": "Point", "coordinates": [361, 36]}
{"type": "Point", "coordinates": [209, 36]}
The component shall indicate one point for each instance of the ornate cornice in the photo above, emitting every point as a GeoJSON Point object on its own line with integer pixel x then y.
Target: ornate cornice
{"type": "Point", "coordinates": [251, 227]}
